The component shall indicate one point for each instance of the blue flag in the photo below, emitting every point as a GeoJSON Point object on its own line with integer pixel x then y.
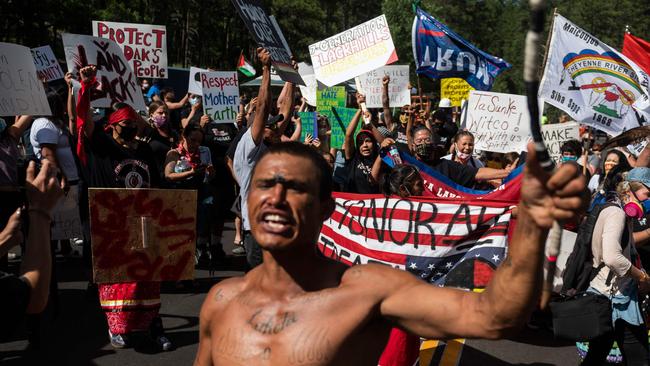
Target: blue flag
{"type": "Point", "coordinates": [441, 53]}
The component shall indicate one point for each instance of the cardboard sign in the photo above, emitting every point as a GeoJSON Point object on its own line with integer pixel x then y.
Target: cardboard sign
{"type": "Point", "coordinates": [194, 82]}
{"type": "Point", "coordinates": [47, 66]}
{"type": "Point", "coordinates": [499, 122]}
{"type": "Point", "coordinates": [308, 90]}
{"type": "Point", "coordinates": [117, 82]}
{"type": "Point", "coordinates": [358, 50]}
{"type": "Point", "coordinates": [21, 91]}
{"type": "Point", "coordinates": [267, 34]}
{"type": "Point", "coordinates": [557, 134]}
{"type": "Point", "coordinates": [220, 95]}
{"type": "Point", "coordinates": [142, 234]}
{"type": "Point", "coordinates": [144, 45]}
{"type": "Point", "coordinates": [309, 125]}
{"type": "Point", "coordinates": [371, 85]}
{"type": "Point", "coordinates": [340, 122]}
{"type": "Point", "coordinates": [328, 98]}
{"type": "Point", "coordinates": [66, 222]}
{"type": "Point", "coordinates": [455, 89]}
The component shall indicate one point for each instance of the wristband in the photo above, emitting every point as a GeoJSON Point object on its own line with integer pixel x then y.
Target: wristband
{"type": "Point", "coordinates": [551, 258]}
{"type": "Point", "coordinates": [41, 212]}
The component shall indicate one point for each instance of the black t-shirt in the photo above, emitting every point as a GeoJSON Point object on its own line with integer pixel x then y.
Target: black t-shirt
{"type": "Point", "coordinates": [359, 171]}
{"type": "Point", "coordinates": [15, 298]}
{"type": "Point", "coordinates": [643, 250]}
{"type": "Point", "coordinates": [459, 173]}
{"type": "Point", "coordinates": [160, 146]}
{"type": "Point", "coordinates": [114, 166]}
{"type": "Point", "coordinates": [218, 138]}
{"type": "Point", "coordinates": [399, 135]}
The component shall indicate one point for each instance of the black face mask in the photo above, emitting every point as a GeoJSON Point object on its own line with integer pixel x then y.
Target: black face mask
{"type": "Point", "coordinates": [128, 133]}
{"type": "Point", "coordinates": [425, 151]}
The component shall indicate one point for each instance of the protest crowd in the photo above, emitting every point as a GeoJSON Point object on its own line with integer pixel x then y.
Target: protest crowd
{"type": "Point", "coordinates": [348, 186]}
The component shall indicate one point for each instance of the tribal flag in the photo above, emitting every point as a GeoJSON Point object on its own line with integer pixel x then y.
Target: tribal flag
{"type": "Point", "coordinates": [244, 67]}
{"type": "Point", "coordinates": [638, 50]}
{"type": "Point", "coordinates": [592, 82]}
{"type": "Point", "coordinates": [441, 53]}
{"type": "Point", "coordinates": [445, 242]}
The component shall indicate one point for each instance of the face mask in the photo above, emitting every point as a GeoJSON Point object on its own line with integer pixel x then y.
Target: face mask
{"type": "Point", "coordinates": [424, 150]}
{"type": "Point", "coordinates": [636, 208]}
{"type": "Point", "coordinates": [461, 155]}
{"type": "Point", "coordinates": [159, 121]}
{"type": "Point", "coordinates": [566, 159]}
{"type": "Point", "coordinates": [128, 133]}
{"type": "Point", "coordinates": [193, 100]}
{"type": "Point", "coordinates": [3, 125]}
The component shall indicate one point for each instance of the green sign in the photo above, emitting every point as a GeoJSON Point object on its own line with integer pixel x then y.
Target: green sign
{"type": "Point", "coordinates": [340, 124]}
{"type": "Point", "coordinates": [308, 120]}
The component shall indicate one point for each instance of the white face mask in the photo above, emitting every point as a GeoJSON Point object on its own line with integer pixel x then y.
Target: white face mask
{"type": "Point", "coordinates": [461, 155]}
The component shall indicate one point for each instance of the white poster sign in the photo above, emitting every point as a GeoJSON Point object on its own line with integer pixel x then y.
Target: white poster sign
{"type": "Point", "coordinates": [194, 82]}
{"type": "Point", "coordinates": [558, 133]}
{"type": "Point", "coordinates": [66, 222]}
{"type": "Point", "coordinates": [21, 91]}
{"type": "Point", "coordinates": [117, 82]}
{"type": "Point", "coordinates": [47, 66]}
{"type": "Point", "coordinates": [360, 49]}
{"type": "Point", "coordinates": [499, 122]}
{"type": "Point", "coordinates": [592, 82]}
{"type": "Point", "coordinates": [144, 45]}
{"type": "Point", "coordinates": [398, 89]}
{"type": "Point", "coordinates": [308, 90]}
{"type": "Point", "coordinates": [220, 95]}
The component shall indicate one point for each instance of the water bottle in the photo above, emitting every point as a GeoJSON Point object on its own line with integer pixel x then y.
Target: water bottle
{"type": "Point", "coordinates": [182, 165]}
{"type": "Point", "coordinates": [394, 155]}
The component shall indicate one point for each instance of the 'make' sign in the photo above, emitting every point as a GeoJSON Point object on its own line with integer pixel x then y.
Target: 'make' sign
{"type": "Point", "coordinates": [220, 95]}
{"type": "Point", "coordinates": [144, 45]}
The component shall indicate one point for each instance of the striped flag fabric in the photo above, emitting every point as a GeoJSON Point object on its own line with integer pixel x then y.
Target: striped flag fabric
{"type": "Point", "coordinates": [244, 67]}
{"type": "Point", "coordinates": [637, 50]}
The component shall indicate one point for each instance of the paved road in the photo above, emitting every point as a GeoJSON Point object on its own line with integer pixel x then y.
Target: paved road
{"type": "Point", "coordinates": [78, 335]}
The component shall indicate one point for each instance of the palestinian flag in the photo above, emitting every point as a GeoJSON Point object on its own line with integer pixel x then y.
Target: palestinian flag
{"type": "Point", "coordinates": [244, 67]}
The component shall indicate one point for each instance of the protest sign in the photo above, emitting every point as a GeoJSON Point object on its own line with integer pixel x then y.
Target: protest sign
{"type": "Point", "coordinates": [144, 45]}
{"type": "Point", "coordinates": [556, 134]}
{"type": "Point", "coordinates": [308, 90]}
{"type": "Point", "coordinates": [21, 92]}
{"type": "Point", "coordinates": [592, 82]}
{"type": "Point", "coordinates": [142, 234]}
{"type": "Point", "coordinates": [339, 122]}
{"type": "Point", "coordinates": [220, 95]}
{"type": "Point", "coordinates": [455, 89]}
{"type": "Point", "coordinates": [194, 82]}
{"type": "Point", "coordinates": [308, 124]}
{"type": "Point", "coordinates": [360, 49]}
{"type": "Point", "coordinates": [325, 100]}
{"type": "Point", "coordinates": [47, 66]}
{"type": "Point", "coordinates": [66, 222]}
{"type": "Point", "coordinates": [268, 35]}
{"type": "Point", "coordinates": [398, 89]}
{"type": "Point", "coordinates": [499, 122]}
{"type": "Point", "coordinates": [117, 82]}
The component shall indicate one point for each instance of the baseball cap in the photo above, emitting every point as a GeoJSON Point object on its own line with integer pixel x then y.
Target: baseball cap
{"type": "Point", "coordinates": [641, 174]}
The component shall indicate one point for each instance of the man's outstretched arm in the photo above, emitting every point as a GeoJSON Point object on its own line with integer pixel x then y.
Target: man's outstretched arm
{"type": "Point", "coordinates": [505, 304]}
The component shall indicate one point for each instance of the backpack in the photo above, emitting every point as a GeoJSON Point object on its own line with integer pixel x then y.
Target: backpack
{"type": "Point", "coordinates": [579, 269]}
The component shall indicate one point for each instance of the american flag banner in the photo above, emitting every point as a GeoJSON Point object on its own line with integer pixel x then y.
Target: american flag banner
{"type": "Point", "coordinates": [456, 243]}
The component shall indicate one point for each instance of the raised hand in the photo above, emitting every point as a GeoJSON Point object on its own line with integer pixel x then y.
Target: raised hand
{"type": "Point", "coordinates": [87, 73]}
{"type": "Point", "coordinates": [264, 56]}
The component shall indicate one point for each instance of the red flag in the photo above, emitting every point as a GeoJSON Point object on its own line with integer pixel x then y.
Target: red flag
{"type": "Point", "coordinates": [638, 50]}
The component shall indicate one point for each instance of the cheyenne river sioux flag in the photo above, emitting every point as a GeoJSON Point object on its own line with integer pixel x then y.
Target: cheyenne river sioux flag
{"type": "Point", "coordinates": [457, 239]}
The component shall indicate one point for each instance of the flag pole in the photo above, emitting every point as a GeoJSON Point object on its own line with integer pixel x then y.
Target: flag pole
{"type": "Point", "coordinates": [548, 43]}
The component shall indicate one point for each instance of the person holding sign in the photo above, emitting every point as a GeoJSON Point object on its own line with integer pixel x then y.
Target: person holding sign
{"type": "Point", "coordinates": [288, 310]}
{"type": "Point", "coordinates": [115, 159]}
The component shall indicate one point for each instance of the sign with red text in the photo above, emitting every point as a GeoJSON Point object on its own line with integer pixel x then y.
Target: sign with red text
{"type": "Point", "coordinates": [360, 49]}
{"type": "Point", "coordinates": [500, 122]}
{"type": "Point", "coordinates": [398, 88]}
{"type": "Point", "coordinates": [142, 234]}
{"type": "Point", "coordinates": [21, 91]}
{"type": "Point", "coordinates": [220, 95]}
{"type": "Point", "coordinates": [117, 82]}
{"type": "Point", "coordinates": [47, 66]}
{"type": "Point", "coordinates": [144, 45]}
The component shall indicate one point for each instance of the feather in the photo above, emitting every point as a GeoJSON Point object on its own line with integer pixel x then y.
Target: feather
{"type": "Point", "coordinates": [628, 137]}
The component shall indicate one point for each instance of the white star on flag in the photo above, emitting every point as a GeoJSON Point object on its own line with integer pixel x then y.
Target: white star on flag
{"type": "Point", "coordinates": [478, 255]}
{"type": "Point", "coordinates": [431, 266]}
{"type": "Point", "coordinates": [495, 258]}
{"type": "Point", "coordinates": [413, 265]}
{"type": "Point", "coordinates": [448, 265]}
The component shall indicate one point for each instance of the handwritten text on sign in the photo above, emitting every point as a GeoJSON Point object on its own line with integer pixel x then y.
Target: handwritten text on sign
{"type": "Point", "coordinates": [220, 95]}
{"type": "Point", "coordinates": [47, 67]}
{"type": "Point", "coordinates": [117, 82]}
{"type": "Point", "coordinates": [144, 45]}
{"type": "Point", "coordinates": [499, 122]}
{"type": "Point", "coordinates": [353, 52]}
{"type": "Point", "coordinates": [556, 134]}
{"type": "Point", "coordinates": [142, 234]}
{"type": "Point", "coordinates": [21, 92]}
{"type": "Point", "coordinates": [398, 88]}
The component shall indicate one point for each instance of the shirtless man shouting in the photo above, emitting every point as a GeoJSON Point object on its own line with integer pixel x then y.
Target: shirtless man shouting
{"type": "Point", "coordinates": [300, 308]}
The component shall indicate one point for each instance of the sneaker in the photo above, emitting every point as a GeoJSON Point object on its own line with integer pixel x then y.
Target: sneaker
{"type": "Point", "coordinates": [238, 250]}
{"type": "Point", "coordinates": [164, 343]}
{"type": "Point", "coordinates": [117, 340]}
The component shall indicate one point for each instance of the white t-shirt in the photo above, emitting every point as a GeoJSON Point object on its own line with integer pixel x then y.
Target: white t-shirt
{"type": "Point", "coordinates": [45, 131]}
{"type": "Point", "coordinates": [476, 163]}
{"type": "Point", "coordinates": [246, 156]}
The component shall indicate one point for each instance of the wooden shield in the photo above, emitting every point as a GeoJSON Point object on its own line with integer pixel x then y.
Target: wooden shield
{"type": "Point", "coordinates": [142, 234]}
